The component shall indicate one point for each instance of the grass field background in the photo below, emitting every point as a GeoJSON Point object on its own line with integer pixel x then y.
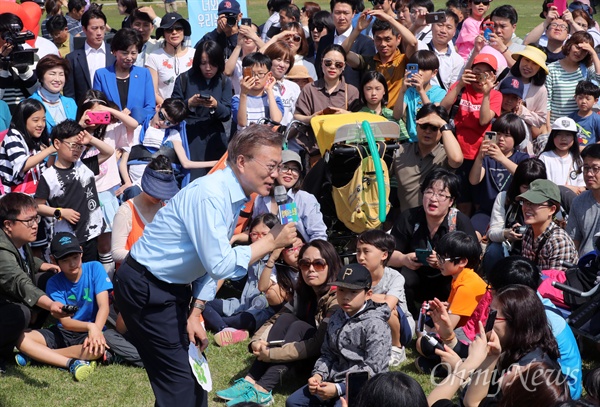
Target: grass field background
{"type": "Point", "coordinates": [127, 386]}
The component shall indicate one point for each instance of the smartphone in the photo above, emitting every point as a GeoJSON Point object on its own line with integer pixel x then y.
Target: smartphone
{"type": "Point", "coordinates": [204, 96]}
{"type": "Point", "coordinates": [423, 254]}
{"type": "Point", "coordinates": [422, 316]}
{"type": "Point", "coordinates": [98, 117]}
{"type": "Point", "coordinates": [247, 72]}
{"type": "Point", "coordinates": [354, 384]}
{"type": "Point", "coordinates": [561, 6]}
{"type": "Point", "coordinates": [488, 28]}
{"type": "Point", "coordinates": [433, 341]}
{"type": "Point", "coordinates": [274, 344]}
{"type": "Point", "coordinates": [437, 17]}
{"type": "Point", "coordinates": [412, 69]}
{"type": "Point", "coordinates": [489, 324]}
{"type": "Point", "coordinates": [329, 110]}
{"type": "Point", "coordinates": [491, 135]}
{"type": "Point", "coordinates": [246, 21]}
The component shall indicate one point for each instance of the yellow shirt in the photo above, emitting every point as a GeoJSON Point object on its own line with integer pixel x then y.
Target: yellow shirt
{"type": "Point", "coordinates": [65, 47]}
{"type": "Point", "coordinates": [393, 72]}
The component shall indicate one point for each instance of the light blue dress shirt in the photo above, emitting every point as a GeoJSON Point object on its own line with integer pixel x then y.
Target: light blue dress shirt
{"type": "Point", "coordinates": [188, 240]}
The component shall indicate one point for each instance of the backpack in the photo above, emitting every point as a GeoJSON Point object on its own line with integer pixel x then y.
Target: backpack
{"type": "Point", "coordinates": [357, 202]}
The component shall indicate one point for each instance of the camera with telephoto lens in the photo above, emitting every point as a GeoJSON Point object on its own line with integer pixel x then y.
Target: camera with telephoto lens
{"type": "Point", "coordinates": [16, 38]}
{"type": "Point", "coordinates": [231, 20]}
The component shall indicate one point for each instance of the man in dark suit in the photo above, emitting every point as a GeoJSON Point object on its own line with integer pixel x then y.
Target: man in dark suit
{"type": "Point", "coordinates": [94, 55]}
{"type": "Point", "coordinates": [342, 12]}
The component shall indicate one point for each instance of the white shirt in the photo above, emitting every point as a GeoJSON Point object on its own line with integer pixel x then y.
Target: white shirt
{"type": "Point", "coordinates": [96, 58]}
{"type": "Point", "coordinates": [168, 68]}
{"type": "Point", "coordinates": [310, 67]}
{"type": "Point", "coordinates": [451, 64]}
{"type": "Point", "coordinates": [289, 92]}
{"type": "Point", "coordinates": [45, 47]}
{"type": "Point", "coordinates": [339, 39]}
{"type": "Point", "coordinates": [559, 169]}
{"type": "Point", "coordinates": [149, 47]}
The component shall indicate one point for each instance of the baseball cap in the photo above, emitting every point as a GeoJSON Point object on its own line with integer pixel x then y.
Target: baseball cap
{"type": "Point", "coordinates": [564, 124]}
{"type": "Point", "coordinates": [540, 191]}
{"type": "Point", "coordinates": [63, 244]}
{"type": "Point", "coordinates": [486, 59]}
{"type": "Point", "coordinates": [169, 20]}
{"type": "Point", "coordinates": [582, 5]}
{"type": "Point", "coordinates": [512, 86]}
{"type": "Point", "coordinates": [289, 155]}
{"type": "Point", "coordinates": [354, 276]}
{"type": "Point", "coordinates": [229, 7]}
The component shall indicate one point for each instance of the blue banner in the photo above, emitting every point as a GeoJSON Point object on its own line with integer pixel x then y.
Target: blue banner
{"type": "Point", "coordinates": [203, 17]}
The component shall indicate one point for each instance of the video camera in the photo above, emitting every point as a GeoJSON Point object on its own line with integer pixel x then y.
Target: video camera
{"type": "Point", "coordinates": [16, 38]}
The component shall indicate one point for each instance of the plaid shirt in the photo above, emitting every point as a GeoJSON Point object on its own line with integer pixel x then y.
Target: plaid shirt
{"type": "Point", "coordinates": [558, 248]}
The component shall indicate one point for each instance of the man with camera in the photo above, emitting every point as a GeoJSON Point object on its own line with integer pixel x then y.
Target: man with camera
{"type": "Point", "coordinates": [226, 32]}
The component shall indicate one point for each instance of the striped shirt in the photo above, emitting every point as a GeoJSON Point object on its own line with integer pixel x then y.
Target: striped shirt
{"type": "Point", "coordinates": [13, 155]}
{"type": "Point", "coordinates": [561, 89]}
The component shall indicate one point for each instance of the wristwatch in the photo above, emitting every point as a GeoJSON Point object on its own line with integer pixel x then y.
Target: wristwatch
{"type": "Point", "coordinates": [447, 126]}
{"type": "Point", "coordinates": [199, 305]}
{"type": "Point", "coordinates": [57, 214]}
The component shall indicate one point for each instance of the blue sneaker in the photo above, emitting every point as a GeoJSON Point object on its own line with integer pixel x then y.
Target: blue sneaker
{"type": "Point", "coordinates": [22, 360]}
{"type": "Point", "coordinates": [253, 395]}
{"type": "Point", "coordinates": [239, 387]}
{"type": "Point", "coordinates": [80, 369]}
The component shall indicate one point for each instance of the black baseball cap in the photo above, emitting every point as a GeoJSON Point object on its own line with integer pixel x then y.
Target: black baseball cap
{"type": "Point", "coordinates": [353, 276]}
{"type": "Point", "coordinates": [63, 244]}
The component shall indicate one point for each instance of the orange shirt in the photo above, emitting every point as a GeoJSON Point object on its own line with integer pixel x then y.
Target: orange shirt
{"type": "Point", "coordinates": [393, 72]}
{"type": "Point", "coordinates": [466, 291]}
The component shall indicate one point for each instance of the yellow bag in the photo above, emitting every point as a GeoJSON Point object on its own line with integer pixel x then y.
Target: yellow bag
{"type": "Point", "coordinates": [357, 202]}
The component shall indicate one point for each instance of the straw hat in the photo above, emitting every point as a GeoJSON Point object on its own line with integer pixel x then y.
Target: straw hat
{"type": "Point", "coordinates": [298, 72]}
{"type": "Point", "coordinates": [533, 53]}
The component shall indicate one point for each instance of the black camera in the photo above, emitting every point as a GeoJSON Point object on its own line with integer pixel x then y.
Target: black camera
{"type": "Point", "coordinates": [520, 229]}
{"type": "Point", "coordinates": [70, 309]}
{"type": "Point", "coordinates": [231, 20]}
{"type": "Point", "coordinates": [16, 38]}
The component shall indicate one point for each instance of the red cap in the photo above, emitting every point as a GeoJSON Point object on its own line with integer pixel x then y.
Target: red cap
{"type": "Point", "coordinates": [486, 59]}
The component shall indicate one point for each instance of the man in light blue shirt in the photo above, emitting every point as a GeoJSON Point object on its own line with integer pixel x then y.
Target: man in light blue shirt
{"type": "Point", "coordinates": [188, 243]}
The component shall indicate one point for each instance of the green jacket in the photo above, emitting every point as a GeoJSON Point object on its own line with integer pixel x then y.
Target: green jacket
{"type": "Point", "coordinates": [16, 274]}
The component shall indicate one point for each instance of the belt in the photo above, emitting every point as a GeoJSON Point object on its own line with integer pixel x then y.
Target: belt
{"type": "Point", "coordinates": [140, 268]}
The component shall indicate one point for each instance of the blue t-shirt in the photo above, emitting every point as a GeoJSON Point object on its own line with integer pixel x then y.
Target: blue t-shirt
{"type": "Point", "coordinates": [257, 107]}
{"type": "Point", "coordinates": [93, 281]}
{"type": "Point", "coordinates": [413, 103]}
{"type": "Point", "coordinates": [589, 128]}
{"type": "Point", "coordinates": [496, 179]}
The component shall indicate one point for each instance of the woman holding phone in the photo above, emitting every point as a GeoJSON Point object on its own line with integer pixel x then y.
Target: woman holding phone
{"type": "Point", "coordinates": [207, 93]}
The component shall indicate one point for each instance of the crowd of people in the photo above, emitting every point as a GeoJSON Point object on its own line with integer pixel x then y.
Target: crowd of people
{"type": "Point", "coordinates": [137, 181]}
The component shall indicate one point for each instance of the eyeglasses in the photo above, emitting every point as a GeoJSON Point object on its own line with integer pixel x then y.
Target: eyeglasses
{"type": "Point", "coordinates": [271, 168]}
{"type": "Point", "coordinates": [478, 2]}
{"type": "Point", "coordinates": [429, 127]}
{"type": "Point", "coordinates": [163, 118]}
{"type": "Point", "coordinates": [73, 146]}
{"type": "Point", "coordinates": [497, 318]}
{"type": "Point", "coordinates": [593, 170]}
{"type": "Point", "coordinates": [430, 193]}
{"type": "Point", "coordinates": [174, 28]}
{"type": "Point", "coordinates": [259, 75]}
{"type": "Point", "coordinates": [561, 27]}
{"type": "Point", "coordinates": [441, 260]}
{"type": "Point", "coordinates": [529, 204]}
{"type": "Point", "coordinates": [257, 235]}
{"type": "Point", "coordinates": [290, 168]}
{"type": "Point", "coordinates": [329, 62]}
{"type": "Point", "coordinates": [319, 28]}
{"type": "Point", "coordinates": [318, 264]}
{"type": "Point", "coordinates": [292, 249]}
{"type": "Point", "coordinates": [30, 222]}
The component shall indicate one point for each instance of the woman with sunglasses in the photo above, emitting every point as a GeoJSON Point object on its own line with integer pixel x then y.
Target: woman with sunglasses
{"type": "Point", "coordinates": [173, 59]}
{"type": "Point", "coordinates": [293, 34]}
{"type": "Point", "coordinates": [307, 12]}
{"type": "Point", "coordinates": [299, 328]}
{"type": "Point", "coordinates": [310, 223]}
{"type": "Point", "coordinates": [319, 26]}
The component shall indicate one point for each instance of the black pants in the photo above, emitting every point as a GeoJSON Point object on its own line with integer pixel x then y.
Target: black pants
{"type": "Point", "coordinates": [216, 321]}
{"type": "Point", "coordinates": [289, 328]}
{"type": "Point", "coordinates": [156, 314]}
{"type": "Point", "coordinates": [422, 285]}
{"type": "Point", "coordinates": [14, 319]}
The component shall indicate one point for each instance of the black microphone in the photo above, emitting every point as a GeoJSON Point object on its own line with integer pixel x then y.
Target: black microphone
{"type": "Point", "coordinates": [288, 212]}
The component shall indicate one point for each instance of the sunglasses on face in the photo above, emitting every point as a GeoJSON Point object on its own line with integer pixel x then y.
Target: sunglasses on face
{"type": "Point", "coordinates": [337, 64]}
{"type": "Point", "coordinates": [164, 119]}
{"type": "Point", "coordinates": [319, 28]}
{"type": "Point", "coordinates": [478, 2]}
{"type": "Point", "coordinates": [377, 2]}
{"type": "Point", "coordinates": [318, 264]}
{"type": "Point", "coordinates": [174, 28]}
{"type": "Point", "coordinates": [429, 127]}
{"type": "Point", "coordinates": [296, 38]}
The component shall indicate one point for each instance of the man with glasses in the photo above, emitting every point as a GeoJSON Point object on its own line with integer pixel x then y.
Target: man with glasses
{"type": "Point", "coordinates": [503, 38]}
{"type": "Point", "coordinates": [22, 303]}
{"type": "Point", "coordinates": [544, 242]}
{"type": "Point", "coordinates": [170, 273]}
{"type": "Point", "coordinates": [584, 217]}
{"type": "Point", "coordinates": [550, 35]}
{"type": "Point", "coordinates": [419, 27]}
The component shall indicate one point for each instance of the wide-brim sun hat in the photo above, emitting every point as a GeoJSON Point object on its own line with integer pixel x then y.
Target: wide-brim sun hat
{"type": "Point", "coordinates": [298, 72]}
{"type": "Point", "coordinates": [169, 20]}
{"type": "Point", "coordinates": [159, 184]}
{"type": "Point", "coordinates": [535, 54]}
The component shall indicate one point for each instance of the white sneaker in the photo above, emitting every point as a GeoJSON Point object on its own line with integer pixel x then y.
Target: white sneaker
{"type": "Point", "coordinates": [398, 356]}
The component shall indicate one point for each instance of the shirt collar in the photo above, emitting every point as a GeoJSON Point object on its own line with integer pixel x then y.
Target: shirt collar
{"type": "Point", "coordinates": [320, 84]}
{"type": "Point", "coordinates": [89, 49]}
{"type": "Point", "coordinates": [345, 34]}
{"type": "Point", "coordinates": [236, 194]}
{"type": "Point", "coordinates": [448, 52]}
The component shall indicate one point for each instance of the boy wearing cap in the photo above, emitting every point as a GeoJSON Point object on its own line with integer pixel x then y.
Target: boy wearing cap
{"type": "Point", "coordinates": [588, 122]}
{"type": "Point", "coordinates": [358, 338]}
{"type": "Point", "coordinates": [512, 90]}
{"type": "Point", "coordinates": [79, 336]}
{"type": "Point", "coordinates": [226, 33]}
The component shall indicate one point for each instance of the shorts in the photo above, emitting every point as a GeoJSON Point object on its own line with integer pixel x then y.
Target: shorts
{"type": "Point", "coordinates": [110, 205]}
{"type": "Point", "coordinates": [57, 337]}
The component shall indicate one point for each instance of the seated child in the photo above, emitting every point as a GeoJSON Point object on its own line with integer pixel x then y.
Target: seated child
{"type": "Point", "coordinates": [67, 190]}
{"type": "Point", "coordinates": [358, 338]}
{"type": "Point", "coordinates": [257, 99]}
{"type": "Point", "coordinates": [588, 121]}
{"type": "Point", "coordinates": [164, 133]}
{"type": "Point", "coordinates": [77, 339]}
{"type": "Point", "coordinates": [373, 250]}
{"type": "Point", "coordinates": [233, 319]}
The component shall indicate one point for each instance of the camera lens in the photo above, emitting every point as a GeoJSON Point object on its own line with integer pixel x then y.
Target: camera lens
{"type": "Point", "coordinates": [231, 21]}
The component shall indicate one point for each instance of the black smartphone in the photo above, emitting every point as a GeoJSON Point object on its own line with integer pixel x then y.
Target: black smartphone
{"type": "Point", "coordinates": [354, 384]}
{"type": "Point", "coordinates": [437, 17]}
{"type": "Point", "coordinates": [204, 96]}
{"type": "Point", "coordinates": [489, 324]}
{"type": "Point", "coordinates": [246, 21]}
{"type": "Point", "coordinates": [274, 344]}
{"type": "Point", "coordinates": [422, 255]}
{"type": "Point", "coordinates": [433, 341]}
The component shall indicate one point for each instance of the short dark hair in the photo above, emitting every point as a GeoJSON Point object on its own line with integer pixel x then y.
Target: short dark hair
{"type": "Point", "coordinates": [577, 38]}
{"type": "Point", "coordinates": [7, 20]}
{"type": "Point", "coordinates": [336, 48]}
{"type": "Point", "coordinates": [322, 18]}
{"type": "Point", "coordinates": [426, 59]}
{"type": "Point", "coordinates": [296, 26]}
{"type": "Point", "coordinates": [130, 5]}
{"type": "Point", "coordinates": [250, 139]}
{"type": "Point", "coordinates": [161, 163]}
{"type": "Point", "coordinates": [215, 55]}
{"type": "Point", "coordinates": [92, 12]}
{"type": "Point", "coordinates": [352, 4]}
{"type": "Point", "coordinates": [52, 7]}
{"type": "Point", "coordinates": [125, 38]}
{"type": "Point", "coordinates": [257, 58]}
{"type": "Point", "coordinates": [448, 179]}
{"type": "Point", "coordinates": [281, 49]}
{"type": "Point", "coordinates": [527, 171]}
{"type": "Point", "coordinates": [75, 5]}
{"type": "Point", "coordinates": [52, 61]}
{"type": "Point", "coordinates": [65, 129]}
{"type": "Point", "coordinates": [514, 270]}
{"type": "Point", "coordinates": [137, 14]}
{"type": "Point", "coordinates": [268, 219]}
{"type": "Point", "coordinates": [451, 15]}
{"type": "Point", "coordinates": [56, 23]}
{"type": "Point", "coordinates": [381, 25]}
{"type": "Point", "coordinates": [538, 79]}
{"type": "Point", "coordinates": [392, 388]}
{"type": "Point", "coordinates": [587, 88]}
{"type": "Point", "coordinates": [291, 10]}
{"type": "Point", "coordinates": [430, 108]}
{"type": "Point", "coordinates": [277, 5]}
{"type": "Point", "coordinates": [381, 240]}
{"type": "Point", "coordinates": [428, 4]}
{"type": "Point", "coordinates": [23, 111]}
{"type": "Point", "coordinates": [176, 109]}
{"type": "Point", "coordinates": [368, 77]}
{"type": "Point", "coordinates": [91, 98]}
{"type": "Point", "coordinates": [506, 11]}
{"type": "Point", "coordinates": [459, 245]}
{"type": "Point", "coordinates": [512, 125]}
{"type": "Point", "coordinates": [592, 151]}
{"type": "Point", "coordinates": [12, 204]}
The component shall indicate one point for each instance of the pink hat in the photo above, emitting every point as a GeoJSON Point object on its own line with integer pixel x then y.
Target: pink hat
{"type": "Point", "coordinates": [486, 59]}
